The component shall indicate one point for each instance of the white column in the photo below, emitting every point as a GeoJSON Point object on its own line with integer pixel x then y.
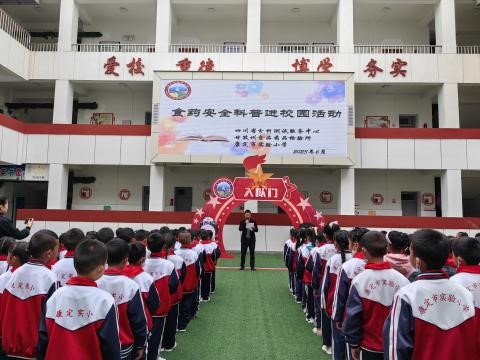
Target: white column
{"type": "Point", "coordinates": [68, 25]}
{"type": "Point", "coordinates": [345, 26]}
{"type": "Point", "coordinates": [157, 188]}
{"type": "Point", "coordinates": [57, 186]}
{"type": "Point", "coordinates": [164, 26]}
{"type": "Point", "coordinates": [254, 21]}
{"type": "Point", "coordinates": [346, 198]}
{"type": "Point", "coordinates": [448, 111]}
{"type": "Point", "coordinates": [451, 184]}
{"type": "Point", "coordinates": [63, 105]}
{"type": "Point", "coordinates": [445, 33]}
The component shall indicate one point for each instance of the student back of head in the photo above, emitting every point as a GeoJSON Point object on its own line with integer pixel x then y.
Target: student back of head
{"type": "Point", "coordinates": [396, 257]}
{"type": "Point", "coordinates": [5, 243]}
{"type": "Point", "coordinates": [64, 269]}
{"type": "Point", "coordinates": [81, 316]}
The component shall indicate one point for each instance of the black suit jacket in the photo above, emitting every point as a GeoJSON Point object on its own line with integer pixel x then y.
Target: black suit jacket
{"type": "Point", "coordinates": [243, 229]}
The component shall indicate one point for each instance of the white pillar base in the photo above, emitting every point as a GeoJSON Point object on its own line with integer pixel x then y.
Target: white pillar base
{"type": "Point", "coordinates": [452, 204]}
{"type": "Point", "coordinates": [346, 201]}
{"type": "Point", "coordinates": [57, 186]}
{"type": "Point", "coordinates": [157, 188]}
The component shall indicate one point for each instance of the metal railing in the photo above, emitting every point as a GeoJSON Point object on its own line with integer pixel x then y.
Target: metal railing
{"type": "Point", "coordinates": [14, 29]}
{"type": "Point", "coordinates": [398, 49]}
{"type": "Point", "coordinates": [470, 49]}
{"type": "Point", "coordinates": [43, 47]}
{"type": "Point", "coordinates": [137, 48]}
{"type": "Point", "coordinates": [208, 48]}
{"type": "Point", "coordinates": [300, 48]}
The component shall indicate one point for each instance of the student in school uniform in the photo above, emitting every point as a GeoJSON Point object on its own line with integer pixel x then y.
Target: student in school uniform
{"type": "Point", "coordinates": [370, 299]}
{"type": "Point", "coordinates": [292, 261]}
{"type": "Point", "coordinates": [212, 253]}
{"type": "Point", "coordinates": [24, 297]}
{"type": "Point", "coordinates": [126, 293]}
{"type": "Point", "coordinates": [166, 282]}
{"type": "Point", "coordinates": [171, 323]}
{"type": "Point", "coordinates": [200, 250]}
{"type": "Point", "coordinates": [332, 272]}
{"type": "Point", "coordinates": [286, 256]}
{"type": "Point", "coordinates": [190, 283]}
{"type": "Point", "coordinates": [308, 254]}
{"type": "Point", "coordinates": [64, 268]}
{"type": "Point", "coordinates": [6, 243]}
{"type": "Point", "coordinates": [314, 255]}
{"type": "Point", "coordinates": [396, 257]}
{"type": "Point", "coordinates": [433, 317]}
{"type": "Point", "coordinates": [17, 256]}
{"type": "Point", "coordinates": [80, 320]}
{"type": "Point", "coordinates": [326, 251]}
{"type": "Point", "coordinates": [350, 269]}
{"type": "Point", "coordinates": [134, 270]}
{"type": "Point", "coordinates": [466, 256]}
{"type": "Point", "coordinates": [301, 249]}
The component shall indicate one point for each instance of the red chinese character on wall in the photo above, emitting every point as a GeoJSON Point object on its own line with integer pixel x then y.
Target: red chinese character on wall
{"type": "Point", "coordinates": [206, 65]}
{"type": "Point", "coordinates": [325, 65]}
{"type": "Point", "coordinates": [110, 66]}
{"type": "Point", "coordinates": [184, 64]}
{"type": "Point", "coordinates": [397, 68]}
{"type": "Point", "coordinates": [302, 65]}
{"type": "Point", "coordinates": [135, 67]}
{"type": "Point", "coordinates": [372, 68]}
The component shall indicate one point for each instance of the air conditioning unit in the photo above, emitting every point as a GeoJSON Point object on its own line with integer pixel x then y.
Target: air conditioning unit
{"type": "Point", "coordinates": [19, 2]}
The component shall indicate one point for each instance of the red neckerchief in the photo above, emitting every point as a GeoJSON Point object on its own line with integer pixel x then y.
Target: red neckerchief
{"type": "Point", "coordinates": [433, 275]}
{"type": "Point", "coordinates": [113, 271]}
{"type": "Point", "coordinates": [450, 262]}
{"type": "Point", "coordinates": [188, 246]}
{"type": "Point", "coordinates": [171, 252]}
{"type": "Point", "coordinates": [158, 254]}
{"type": "Point", "coordinates": [359, 255]}
{"type": "Point", "coordinates": [378, 266]}
{"type": "Point", "coordinates": [3, 257]}
{"type": "Point", "coordinates": [132, 270]}
{"type": "Point", "coordinates": [82, 281]}
{"type": "Point", "coordinates": [70, 253]}
{"type": "Point", "coordinates": [195, 243]}
{"type": "Point", "coordinates": [471, 269]}
{"type": "Point", "coordinates": [13, 268]}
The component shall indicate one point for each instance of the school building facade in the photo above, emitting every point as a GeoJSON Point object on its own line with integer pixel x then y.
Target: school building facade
{"type": "Point", "coordinates": [69, 67]}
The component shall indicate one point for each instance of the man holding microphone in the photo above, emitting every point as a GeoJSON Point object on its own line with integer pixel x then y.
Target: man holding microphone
{"type": "Point", "coordinates": [248, 227]}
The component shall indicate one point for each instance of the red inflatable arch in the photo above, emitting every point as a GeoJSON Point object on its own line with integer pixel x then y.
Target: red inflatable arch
{"type": "Point", "coordinates": [227, 194]}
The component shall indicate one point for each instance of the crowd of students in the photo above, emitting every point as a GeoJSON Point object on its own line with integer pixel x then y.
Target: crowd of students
{"type": "Point", "coordinates": [102, 295]}
{"type": "Point", "coordinates": [373, 295]}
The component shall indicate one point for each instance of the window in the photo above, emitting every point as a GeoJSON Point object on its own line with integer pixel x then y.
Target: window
{"type": "Point", "coordinates": [407, 121]}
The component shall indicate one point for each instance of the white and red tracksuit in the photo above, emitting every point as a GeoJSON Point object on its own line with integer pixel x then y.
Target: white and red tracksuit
{"type": "Point", "coordinates": [79, 322]}
{"type": "Point", "coordinates": [4, 279]}
{"type": "Point", "coordinates": [166, 282]}
{"type": "Point", "coordinates": [151, 300]}
{"type": "Point", "coordinates": [350, 269]}
{"type": "Point", "coordinates": [432, 318]}
{"type": "Point", "coordinates": [3, 264]}
{"type": "Point", "coordinates": [24, 297]}
{"type": "Point", "coordinates": [369, 303]}
{"type": "Point", "coordinates": [469, 277]}
{"type": "Point", "coordinates": [64, 268]}
{"type": "Point", "coordinates": [132, 321]}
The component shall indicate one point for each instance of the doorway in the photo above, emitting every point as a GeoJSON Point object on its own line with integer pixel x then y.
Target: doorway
{"type": "Point", "coordinates": [183, 199]}
{"type": "Point", "coordinates": [409, 203]}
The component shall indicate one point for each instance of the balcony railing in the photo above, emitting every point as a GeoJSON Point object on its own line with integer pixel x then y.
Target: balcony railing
{"type": "Point", "coordinates": [471, 49]}
{"type": "Point", "coordinates": [208, 48]}
{"type": "Point", "coordinates": [14, 29]}
{"type": "Point", "coordinates": [300, 48]}
{"type": "Point", "coordinates": [398, 49]}
{"type": "Point", "coordinates": [136, 48]}
{"type": "Point", "coordinates": [46, 47]}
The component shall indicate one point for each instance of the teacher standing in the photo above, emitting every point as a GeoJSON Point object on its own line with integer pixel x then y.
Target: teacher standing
{"type": "Point", "coordinates": [6, 226]}
{"type": "Point", "coordinates": [248, 227]}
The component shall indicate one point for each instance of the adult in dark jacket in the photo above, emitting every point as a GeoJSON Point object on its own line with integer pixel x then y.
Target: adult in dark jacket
{"type": "Point", "coordinates": [6, 226]}
{"type": "Point", "coordinates": [248, 227]}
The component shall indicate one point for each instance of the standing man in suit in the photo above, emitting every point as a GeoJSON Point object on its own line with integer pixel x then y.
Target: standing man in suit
{"type": "Point", "coordinates": [248, 227]}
